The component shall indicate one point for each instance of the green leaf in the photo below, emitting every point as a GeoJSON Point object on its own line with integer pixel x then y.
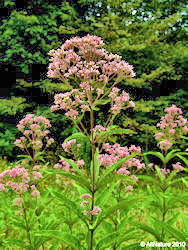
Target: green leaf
{"type": "Point", "coordinates": [95, 108]}
{"type": "Point", "coordinates": [76, 136]}
{"type": "Point", "coordinates": [173, 219]}
{"type": "Point", "coordinates": [80, 189]}
{"type": "Point", "coordinates": [114, 166]}
{"type": "Point", "coordinates": [102, 102]}
{"type": "Point", "coordinates": [107, 226]}
{"type": "Point", "coordinates": [63, 237]}
{"type": "Point", "coordinates": [109, 239]}
{"type": "Point", "coordinates": [147, 229]}
{"type": "Point", "coordinates": [97, 166]}
{"type": "Point", "coordinates": [183, 200]}
{"type": "Point", "coordinates": [120, 205]}
{"type": "Point", "coordinates": [82, 181]}
{"type": "Point", "coordinates": [170, 155]}
{"type": "Point", "coordinates": [114, 178]}
{"type": "Point", "coordinates": [71, 204]}
{"type": "Point", "coordinates": [183, 158]}
{"type": "Point", "coordinates": [25, 156]}
{"type": "Point", "coordinates": [16, 242]}
{"type": "Point", "coordinates": [105, 195]}
{"type": "Point", "coordinates": [160, 175]}
{"type": "Point", "coordinates": [148, 179]}
{"type": "Point", "coordinates": [179, 235]}
{"type": "Point", "coordinates": [157, 154]}
{"type": "Point", "coordinates": [38, 156]}
{"type": "Point", "coordinates": [185, 182]}
{"type": "Point", "coordinates": [55, 245]}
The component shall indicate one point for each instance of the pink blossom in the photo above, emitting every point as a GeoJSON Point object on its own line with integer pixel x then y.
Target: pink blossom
{"type": "Point", "coordinates": [35, 193]}
{"type": "Point", "coordinates": [37, 167]}
{"type": "Point", "coordinates": [57, 165]}
{"type": "Point", "coordinates": [37, 175]}
{"type": "Point", "coordinates": [177, 166]}
{"type": "Point", "coordinates": [83, 196]}
{"type": "Point", "coordinates": [83, 203]}
{"type": "Point", "coordinates": [123, 171]}
{"type": "Point", "coordinates": [129, 188]}
{"type": "Point", "coordinates": [96, 210]}
{"type": "Point", "coordinates": [150, 165]}
{"type": "Point", "coordinates": [134, 177]}
{"type": "Point", "coordinates": [99, 128]}
{"type": "Point", "coordinates": [131, 103]}
{"type": "Point", "coordinates": [165, 145]}
{"type": "Point", "coordinates": [80, 163]}
{"type": "Point", "coordinates": [18, 202]}
{"type": "Point", "coordinates": [164, 171]}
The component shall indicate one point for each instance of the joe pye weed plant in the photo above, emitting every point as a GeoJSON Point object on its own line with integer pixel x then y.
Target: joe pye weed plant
{"type": "Point", "coordinates": [107, 188]}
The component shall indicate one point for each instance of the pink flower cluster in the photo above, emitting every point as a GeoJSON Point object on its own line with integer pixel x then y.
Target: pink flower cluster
{"type": "Point", "coordinates": [20, 180]}
{"type": "Point", "coordinates": [18, 202]}
{"type": "Point", "coordinates": [99, 128]}
{"type": "Point", "coordinates": [164, 171]}
{"type": "Point", "coordinates": [66, 166]}
{"type": "Point", "coordinates": [116, 153]}
{"type": "Point", "coordinates": [172, 126]}
{"type": "Point", "coordinates": [64, 101]}
{"type": "Point", "coordinates": [95, 210]}
{"type": "Point", "coordinates": [95, 61]}
{"type": "Point", "coordinates": [16, 179]}
{"type": "Point", "coordinates": [68, 146]}
{"type": "Point", "coordinates": [67, 64]}
{"type": "Point", "coordinates": [120, 101]}
{"type": "Point", "coordinates": [36, 127]}
{"type": "Point", "coordinates": [177, 166]}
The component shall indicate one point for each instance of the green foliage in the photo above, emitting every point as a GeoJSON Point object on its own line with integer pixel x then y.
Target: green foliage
{"type": "Point", "coordinates": [12, 106]}
{"type": "Point", "coordinates": [7, 139]}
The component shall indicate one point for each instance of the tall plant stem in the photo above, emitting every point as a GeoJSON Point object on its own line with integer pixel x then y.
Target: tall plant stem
{"type": "Point", "coordinates": [164, 208]}
{"type": "Point", "coordinates": [39, 222]}
{"type": "Point", "coordinates": [93, 179]}
{"type": "Point", "coordinates": [26, 222]}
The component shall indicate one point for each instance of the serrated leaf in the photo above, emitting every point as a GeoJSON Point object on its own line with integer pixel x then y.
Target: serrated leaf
{"type": "Point", "coordinates": [55, 245]}
{"type": "Point", "coordinates": [105, 195]}
{"type": "Point", "coordinates": [102, 102]}
{"type": "Point", "coordinates": [157, 154]}
{"type": "Point", "coordinates": [16, 242]}
{"type": "Point", "coordinates": [179, 235]}
{"type": "Point", "coordinates": [173, 219]}
{"type": "Point", "coordinates": [120, 205]}
{"type": "Point", "coordinates": [107, 226]}
{"type": "Point", "coordinates": [97, 166]}
{"type": "Point", "coordinates": [149, 179]}
{"type": "Point", "coordinates": [147, 229]}
{"type": "Point", "coordinates": [76, 136]}
{"type": "Point", "coordinates": [109, 239]}
{"type": "Point", "coordinates": [82, 181]}
{"type": "Point", "coordinates": [95, 108]}
{"type": "Point", "coordinates": [63, 237]}
{"type": "Point", "coordinates": [115, 178]}
{"type": "Point", "coordinates": [170, 155]}
{"type": "Point", "coordinates": [71, 204]}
